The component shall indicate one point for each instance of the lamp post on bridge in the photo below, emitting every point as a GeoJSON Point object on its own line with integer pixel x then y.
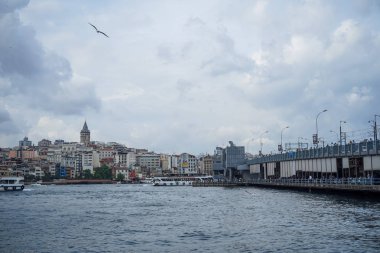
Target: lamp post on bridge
{"type": "Point", "coordinates": [281, 149]}
{"type": "Point", "coordinates": [375, 132]}
{"type": "Point", "coordinates": [340, 132]}
{"type": "Point", "coordinates": [316, 139]}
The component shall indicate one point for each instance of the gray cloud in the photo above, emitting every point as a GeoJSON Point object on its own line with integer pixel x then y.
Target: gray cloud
{"type": "Point", "coordinates": [190, 75]}
{"type": "Point", "coordinates": [34, 75]}
{"type": "Point", "coordinates": [7, 126]}
{"type": "Point", "coordinates": [227, 59]}
{"type": "Point", "coordinates": [7, 6]}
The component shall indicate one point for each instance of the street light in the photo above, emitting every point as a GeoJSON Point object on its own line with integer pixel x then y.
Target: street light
{"type": "Point", "coordinates": [316, 126]}
{"type": "Point", "coordinates": [261, 142]}
{"type": "Point", "coordinates": [281, 136]}
{"type": "Point", "coordinates": [340, 132]}
{"type": "Point", "coordinates": [375, 133]}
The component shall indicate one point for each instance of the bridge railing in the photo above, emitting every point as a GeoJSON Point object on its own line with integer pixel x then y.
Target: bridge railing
{"type": "Point", "coordinates": [317, 181]}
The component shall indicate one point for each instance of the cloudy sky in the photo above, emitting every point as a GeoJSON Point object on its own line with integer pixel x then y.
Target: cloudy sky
{"type": "Point", "coordinates": [186, 76]}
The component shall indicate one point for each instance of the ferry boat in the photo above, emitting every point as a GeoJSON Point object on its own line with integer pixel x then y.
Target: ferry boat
{"type": "Point", "coordinates": [146, 180]}
{"type": "Point", "coordinates": [179, 181]}
{"type": "Point", "coordinates": [12, 183]}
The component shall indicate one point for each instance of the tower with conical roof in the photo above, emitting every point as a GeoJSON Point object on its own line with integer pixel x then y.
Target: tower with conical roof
{"type": "Point", "coordinates": [85, 135]}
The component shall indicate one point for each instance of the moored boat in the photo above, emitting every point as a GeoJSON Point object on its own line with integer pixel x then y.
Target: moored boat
{"type": "Point", "coordinates": [12, 183]}
{"type": "Point", "coordinates": [146, 180]}
{"type": "Point", "coordinates": [179, 181]}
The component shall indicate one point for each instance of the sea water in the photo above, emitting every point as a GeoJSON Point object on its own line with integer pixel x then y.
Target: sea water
{"type": "Point", "coordinates": [144, 218]}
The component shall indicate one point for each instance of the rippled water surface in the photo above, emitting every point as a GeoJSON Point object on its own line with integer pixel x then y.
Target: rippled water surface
{"type": "Point", "coordinates": [143, 218]}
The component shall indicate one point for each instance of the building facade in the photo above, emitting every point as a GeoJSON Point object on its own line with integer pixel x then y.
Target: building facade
{"type": "Point", "coordinates": [85, 135]}
{"type": "Point", "coordinates": [206, 165]}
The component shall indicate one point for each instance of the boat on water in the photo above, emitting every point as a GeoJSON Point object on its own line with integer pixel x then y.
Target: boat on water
{"type": "Point", "coordinates": [179, 181]}
{"type": "Point", "coordinates": [146, 180]}
{"type": "Point", "coordinates": [37, 184]}
{"type": "Point", "coordinates": [12, 183]}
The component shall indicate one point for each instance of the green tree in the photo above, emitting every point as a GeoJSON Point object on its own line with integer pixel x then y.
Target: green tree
{"type": "Point", "coordinates": [47, 177]}
{"type": "Point", "coordinates": [103, 172]}
{"type": "Point", "coordinates": [120, 177]}
{"type": "Point", "coordinates": [29, 178]}
{"type": "Point", "coordinates": [87, 174]}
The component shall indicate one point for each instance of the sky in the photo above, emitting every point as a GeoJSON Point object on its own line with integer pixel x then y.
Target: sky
{"type": "Point", "coordinates": [187, 76]}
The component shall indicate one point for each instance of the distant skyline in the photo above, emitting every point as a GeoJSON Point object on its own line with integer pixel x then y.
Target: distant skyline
{"type": "Point", "coordinates": [187, 76]}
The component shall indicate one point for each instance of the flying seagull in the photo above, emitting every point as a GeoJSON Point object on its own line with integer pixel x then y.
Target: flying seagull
{"type": "Point", "coordinates": [98, 31]}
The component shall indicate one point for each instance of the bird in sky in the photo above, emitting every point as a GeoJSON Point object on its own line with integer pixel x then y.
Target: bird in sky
{"type": "Point", "coordinates": [98, 31]}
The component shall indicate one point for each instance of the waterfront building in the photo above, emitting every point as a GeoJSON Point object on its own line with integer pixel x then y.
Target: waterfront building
{"type": "Point", "coordinates": [174, 164]}
{"type": "Point", "coordinates": [37, 172]}
{"type": "Point", "coordinates": [165, 163]}
{"type": "Point", "coordinates": [149, 162]}
{"type": "Point", "coordinates": [125, 158]}
{"type": "Point", "coordinates": [217, 161]}
{"type": "Point", "coordinates": [85, 135]}
{"type": "Point", "coordinates": [5, 170]}
{"type": "Point", "coordinates": [226, 160]}
{"type": "Point", "coordinates": [234, 156]}
{"type": "Point", "coordinates": [78, 157]}
{"type": "Point", "coordinates": [120, 170]}
{"type": "Point", "coordinates": [206, 165]}
{"type": "Point", "coordinates": [87, 161]}
{"type": "Point", "coordinates": [52, 169]}
{"type": "Point", "coordinates": [69, 160]}
{"type": "Point", "coordinates": [188, 164]}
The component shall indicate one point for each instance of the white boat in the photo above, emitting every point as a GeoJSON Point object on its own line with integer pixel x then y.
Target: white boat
{"type": "Point", "coordinates": [38, 183]}
{"type": "Point", "coordinates": [178, 181]}
{"type": "Point", "coordinates": [12, 183]}
{"type": "Point", "coordinates": [146, 180]}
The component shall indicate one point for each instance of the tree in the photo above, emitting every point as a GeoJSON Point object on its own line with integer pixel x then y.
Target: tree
{"type": "Point", "coordinates": [87, 174]}
{"type": "Point", "coordinates": [120, 177]}
{"type": "Point", "coordinates": [29, 178]}
{"type": "Point", "coordinates": [103, 172]}
{"type": "Point", "coordinates": [47, 177]}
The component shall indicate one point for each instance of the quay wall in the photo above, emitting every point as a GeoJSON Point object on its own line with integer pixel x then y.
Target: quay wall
{"type": "Point", "coordinates": [79, 181]}
{"type": "Point", "coordinates": [343, 188]}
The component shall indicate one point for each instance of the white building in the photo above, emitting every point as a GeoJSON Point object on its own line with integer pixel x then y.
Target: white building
{"type": "Point", "coordinates": [87, 161]}
{"type": "Point", "coordinates": [37, 172]}
{"type": "Point", "coordinates": [107, 152]}
{"type": "Point", "coordinates": [149, 163]}
{"type": "Point", "coordinates": [54, 154]}
{"type": "Point", "coordinates": [125, 159]}
{"type": "Point", "coordinates": [124, 171]}
{"type": "Point", "coordinates": [188, 164]}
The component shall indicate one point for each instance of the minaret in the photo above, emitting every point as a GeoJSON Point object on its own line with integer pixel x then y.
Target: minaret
{"type": "Point", "coordinates": [85, 135]}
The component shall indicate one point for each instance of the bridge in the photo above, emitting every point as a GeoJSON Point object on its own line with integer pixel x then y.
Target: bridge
{"type": "Point", "coordinates": [353, 160]}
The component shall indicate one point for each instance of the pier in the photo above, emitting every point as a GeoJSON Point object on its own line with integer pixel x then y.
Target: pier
{"type": "Point", "coordinates": [364, 187]}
